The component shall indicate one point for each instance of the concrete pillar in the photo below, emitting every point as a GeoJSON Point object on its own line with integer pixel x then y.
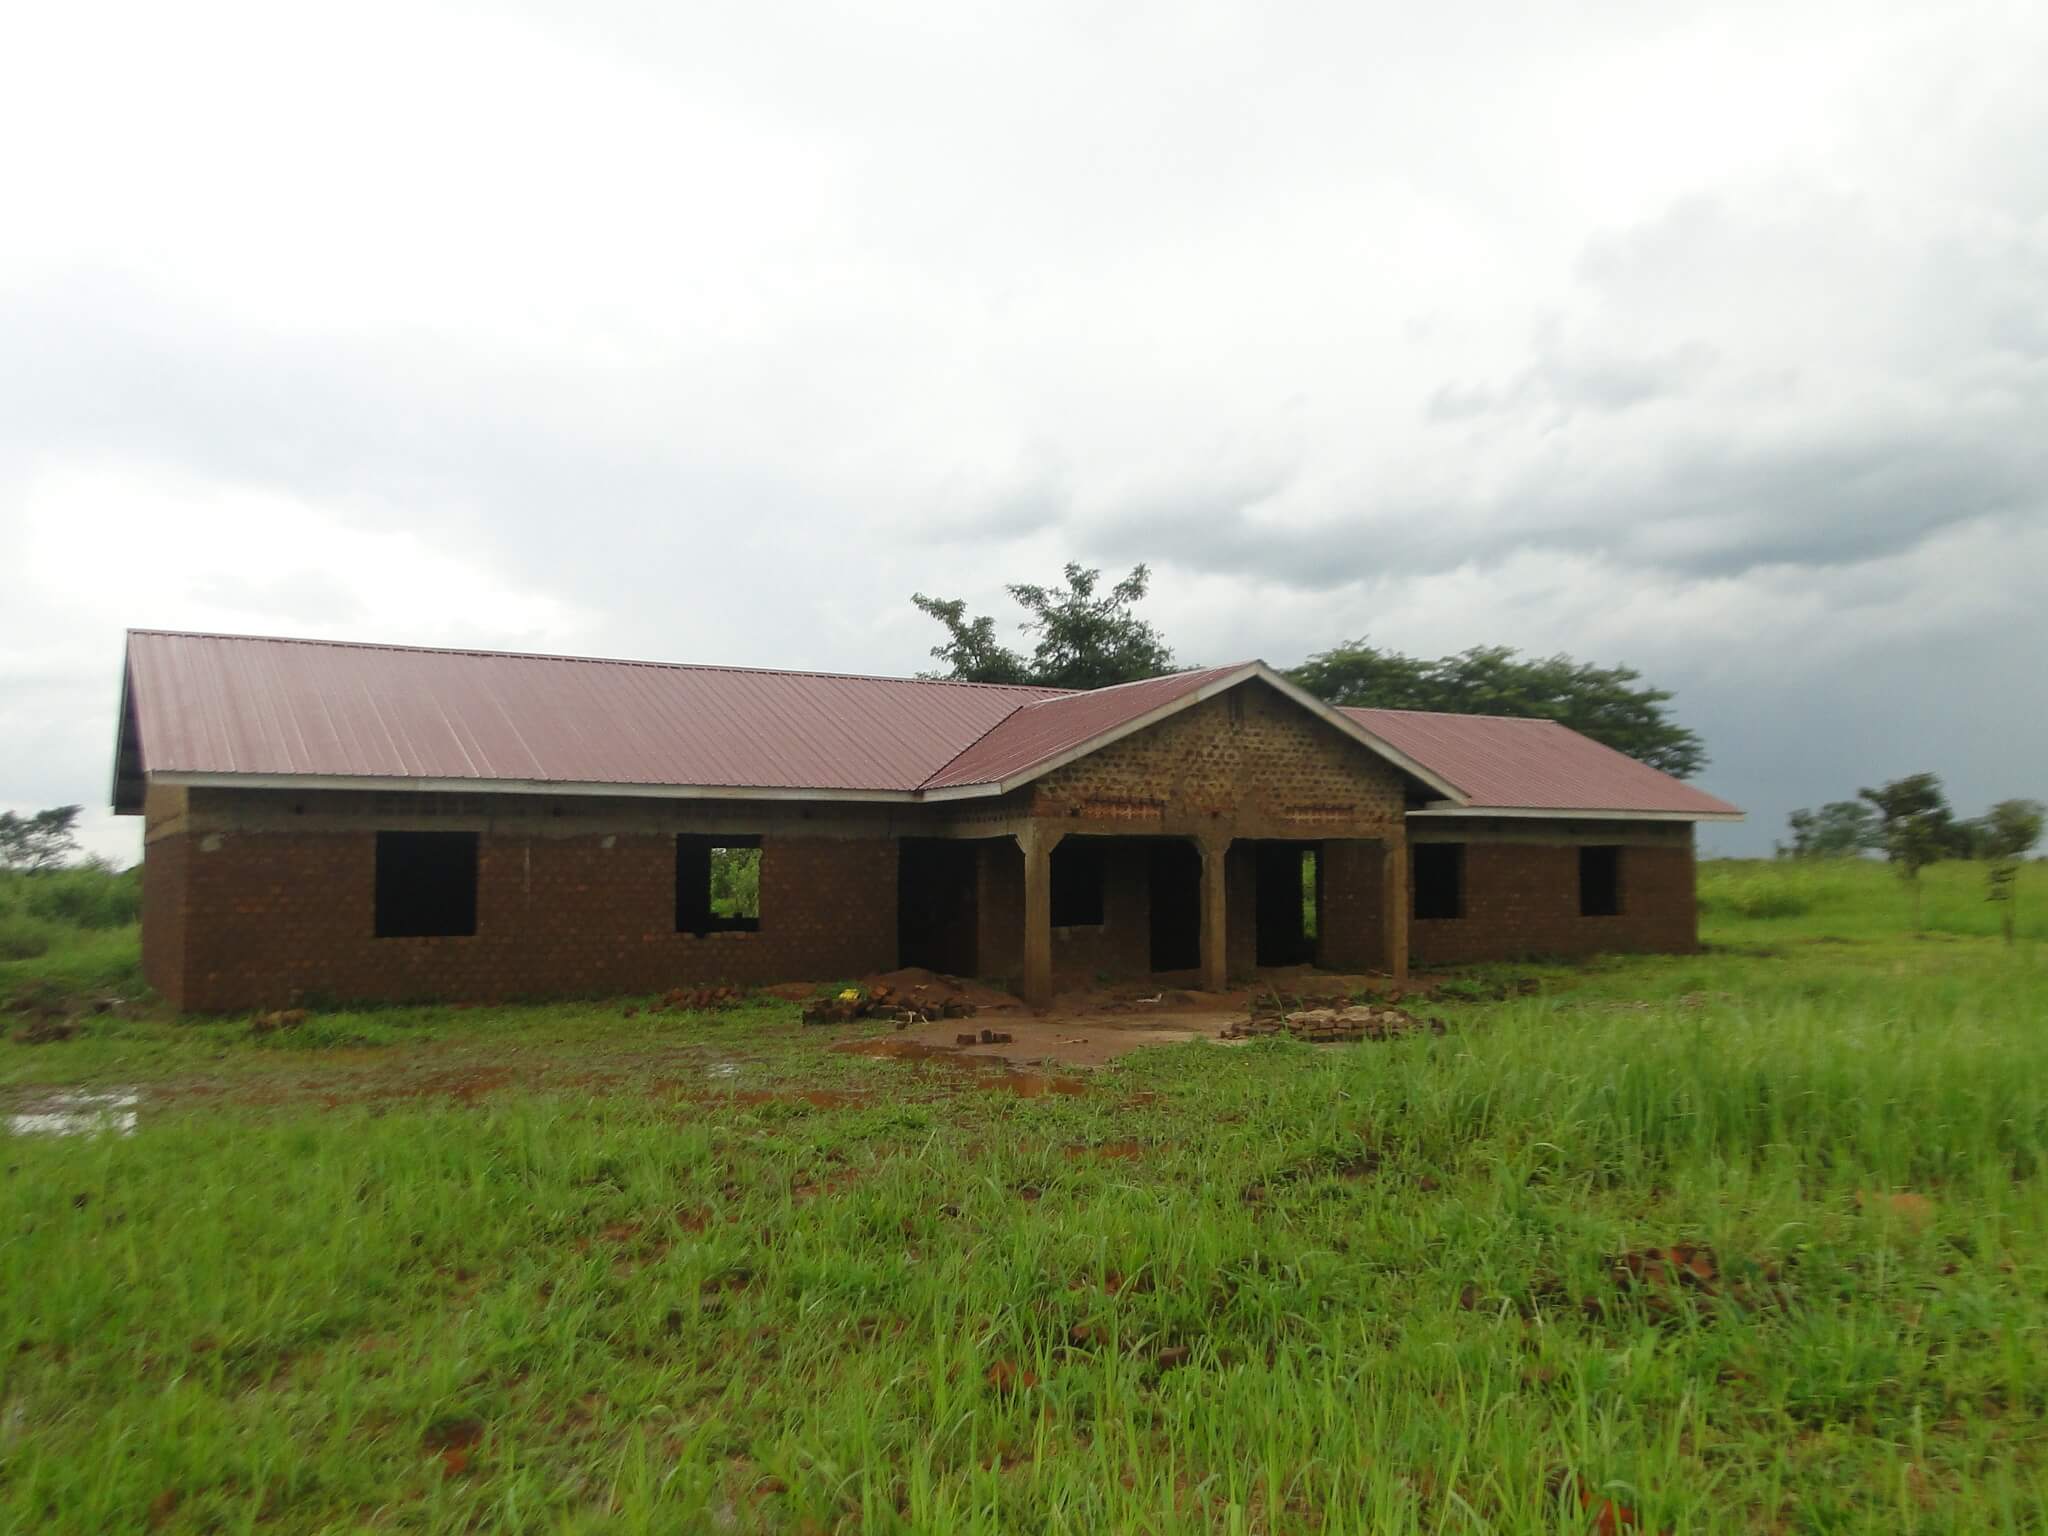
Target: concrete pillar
{"type": "Point", "coordinates": [1215, 950]}
{"type": "Point", "coordinates": [1394, 904]}
{"type": "Point", "coordinates": [1037, 844]}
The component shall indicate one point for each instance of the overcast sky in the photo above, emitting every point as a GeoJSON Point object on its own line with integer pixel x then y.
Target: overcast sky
{"type": "Point", "coordinates": [1712, 340]}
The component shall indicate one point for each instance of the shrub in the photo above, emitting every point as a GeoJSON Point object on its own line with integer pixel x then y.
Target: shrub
{"type": "Point", "coordinates": [83, 898]}
{"type": "Point", "coordinates": [23, 937]}
{"type": "Point", "coordinates": [1756, 897]}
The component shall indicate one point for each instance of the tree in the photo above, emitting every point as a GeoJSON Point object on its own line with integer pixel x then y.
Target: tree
{"type": "Point", "coordinates": [1916, 825]}
{"type": "Point", "coordinates": [39, 842]}
{"type": "Point", "coordinates": [1838, 830]}
{"type": "Point", "coordinates": [1604, 703]}
{"type": "Point", "coordinates": [1084, 641]}
{"type": "Point", "coordinates": [2006, 834]}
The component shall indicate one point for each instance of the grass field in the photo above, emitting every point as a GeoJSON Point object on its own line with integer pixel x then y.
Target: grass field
{"type": "Point", "coordinates": [1754, 1240]}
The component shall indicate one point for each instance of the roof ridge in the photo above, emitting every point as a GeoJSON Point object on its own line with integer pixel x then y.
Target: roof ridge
{"type": "Point", "coordinates": [939, 772]}
{"type": "Point", "coordinates": [607, 661]}
{"type": "Point", "coordinates": [1462, 714]}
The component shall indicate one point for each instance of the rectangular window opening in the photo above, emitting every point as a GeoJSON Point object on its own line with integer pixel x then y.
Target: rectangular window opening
{"type": "Point", "coordinates": [1078, 867]}
{"type": "Point", "coordinates": [1439, 880]}
{"type": "Point", "coordinates": [1600, 882]}
{"type": "Point", "coordinates": [426, 885]}
{"type": "Point", "coordinates": [718, 884]}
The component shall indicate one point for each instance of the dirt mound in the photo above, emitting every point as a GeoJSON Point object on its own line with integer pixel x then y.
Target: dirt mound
{"type": "Point", "coordinates": [49, 1014]}
{"type": "Point", "coordinates": [692, 1000]}
{"type": "Point", "coordinates": [914, 984]}
{"type": "Point", "coordinates": [879, 1000]}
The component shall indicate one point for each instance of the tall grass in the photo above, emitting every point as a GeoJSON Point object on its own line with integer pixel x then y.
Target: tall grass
{"type": "Point", "coordinates": [70, 925]}
{"type": "Point", "coordinates": [1862, 897]}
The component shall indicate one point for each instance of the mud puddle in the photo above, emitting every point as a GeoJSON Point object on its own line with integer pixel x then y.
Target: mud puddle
{"type": "Point", "coordinates": [78, 1114]}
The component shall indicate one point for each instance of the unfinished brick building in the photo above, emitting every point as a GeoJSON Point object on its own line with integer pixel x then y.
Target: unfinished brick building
{"type": "Point", "coordinates": [356, 822]}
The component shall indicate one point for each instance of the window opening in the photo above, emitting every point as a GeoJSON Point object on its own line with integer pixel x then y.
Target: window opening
{"type": "Point", "coordinates": [1439, 880]}
{"type": "Point", "coordinates": [718, 884]}
{"type": "Point", "coordinates": [426, 885]}
{"type": "Point", "coordinates": [1600, 882]}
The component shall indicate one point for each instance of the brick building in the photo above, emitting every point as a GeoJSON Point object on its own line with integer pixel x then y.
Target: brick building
{"type": "Point", "coordinates": [337, 821]}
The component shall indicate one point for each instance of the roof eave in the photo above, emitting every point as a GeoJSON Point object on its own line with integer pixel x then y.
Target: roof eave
{"type": "Point", "coordinates": [128, 790]}
{"type": "Point", "coordinates": [392, 783]}
{"type": "Point", "coordinates": [1579, 813]}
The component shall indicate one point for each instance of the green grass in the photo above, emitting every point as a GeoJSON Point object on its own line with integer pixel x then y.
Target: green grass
{"type": "Point", "coordinates": [1857, 898]}
{"type": "Point", "coordinates": [536, 1269]}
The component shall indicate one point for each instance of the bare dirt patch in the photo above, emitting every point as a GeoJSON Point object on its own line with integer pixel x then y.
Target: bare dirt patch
{"type": "Point", "coordinates": [977, 1069]}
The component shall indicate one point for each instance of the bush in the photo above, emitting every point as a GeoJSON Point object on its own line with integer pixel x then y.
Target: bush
{"type": "Point", "coordinates": [1756, 897]}
{"type": "Point", "coordinates": [84, 898]}
{"type": "Point", "coordinates": [23, 937]}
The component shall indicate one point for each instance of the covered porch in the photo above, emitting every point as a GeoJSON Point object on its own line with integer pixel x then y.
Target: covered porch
{"type": "Point", "coordinates": [1047, 904]}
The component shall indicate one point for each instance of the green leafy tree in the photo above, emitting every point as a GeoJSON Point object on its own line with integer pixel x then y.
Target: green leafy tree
{"type": "Point", "coordinates": [39, 842]}
{"type": "Point", "coordinates": [1606, 703]}
{"type": "Point", "coordinates": [1916, 825]}
{"type": "Point", "coordinates": [2006, 834]}
{"type": "Point", "coordinates": [1838, 830]}
{"type": "Point", "coordinates": [1083, 640]}
{"type": "Point", "coordinates": [736, 882]}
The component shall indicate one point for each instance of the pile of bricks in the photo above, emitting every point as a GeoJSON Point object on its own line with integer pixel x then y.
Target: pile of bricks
{"type": "Point", "coordinates": [691, 1000]}
{"type": "Point", "coordinates": [886, 1005]}
{"type": "Point", "coordinates": [1347, 1023]}
{"type": "Point", "coordinates": [986, 1037]}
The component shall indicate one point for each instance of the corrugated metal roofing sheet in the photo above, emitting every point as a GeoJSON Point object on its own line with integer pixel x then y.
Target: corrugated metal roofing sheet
{"type": "Point", "coordinates": [228, 704]}
{"type": "Point", "coordinates": [1504, 763]}
{"type": "Point", "coordinates": [1050, 728]}
{"type": "Point", "coordinates": [239, 705]}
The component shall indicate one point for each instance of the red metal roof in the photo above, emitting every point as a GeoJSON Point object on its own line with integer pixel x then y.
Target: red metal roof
{"type": "Point", "coordinates": [1051, 728]}
{"type": "Point", "coordinates": [230, 706]}
{"type": "Point", "coordinates": [1506, 763]}
{"type": "Point", "coordinates": [218, 704]}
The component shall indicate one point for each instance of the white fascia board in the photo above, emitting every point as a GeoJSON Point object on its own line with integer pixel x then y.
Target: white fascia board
{"type": "Point", "coordinates": [1527, 813]}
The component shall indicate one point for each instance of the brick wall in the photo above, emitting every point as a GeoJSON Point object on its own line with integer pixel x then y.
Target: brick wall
{"type": "Point", "coordinates": [166, 863]}
{"type": "Point", "coordinates": [247, 919]}
{"type": "Point", "coordinates": [1121, 945]}
{"type": "Point", "coordinates": [999, 908]}
{"type": "Point", "coordinates": [1351, 937]}
{"type": "Point", "coordinates": [1522, 899]}
{"type": "Point", "coordinates": [1249, 762]}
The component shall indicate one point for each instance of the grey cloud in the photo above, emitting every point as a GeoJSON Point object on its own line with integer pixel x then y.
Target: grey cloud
{"type": "Point", "coordinates": [1706, 507]}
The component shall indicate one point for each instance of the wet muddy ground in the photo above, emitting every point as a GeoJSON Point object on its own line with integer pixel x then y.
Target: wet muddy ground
{"type": "Point", "coordinates": [751, 1054]}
